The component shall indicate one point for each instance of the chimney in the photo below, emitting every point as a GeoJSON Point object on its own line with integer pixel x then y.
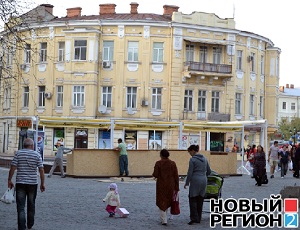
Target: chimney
{"type": "Point", "coordinates": [109, 8]}
{"type": "Point", "coordinates": [74, 12]}
{"type": "Point", "coordinates": [169, 9]}
{"type": "Point", "coordinates": [48, 8]}
{"type": "Point", "coordinates": [292, 86]}
{"type": "Point", "coordinates": [287, 86]}
{"type": "Point", "coordinates": [134, 7]}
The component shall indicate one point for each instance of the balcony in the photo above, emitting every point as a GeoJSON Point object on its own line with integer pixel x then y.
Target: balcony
{"type": "Point", "coordinates": [218, 117]}
{"type": "Point", "coordinates": [209, 67]}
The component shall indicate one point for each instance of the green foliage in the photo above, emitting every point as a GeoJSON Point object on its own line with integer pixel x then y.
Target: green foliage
{"type": "Point", "coordinates": [288, 128]}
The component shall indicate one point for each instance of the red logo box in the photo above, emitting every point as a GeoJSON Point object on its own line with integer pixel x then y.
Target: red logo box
{"type": "Point", "coordinates": [290, 205]}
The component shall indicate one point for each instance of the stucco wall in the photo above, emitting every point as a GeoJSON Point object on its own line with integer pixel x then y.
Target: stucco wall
{"type": "Point", "coordinates": [103, 163]}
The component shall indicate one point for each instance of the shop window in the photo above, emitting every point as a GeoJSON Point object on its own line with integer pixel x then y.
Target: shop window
{"type": "Point", "coordinates": [81, 139]}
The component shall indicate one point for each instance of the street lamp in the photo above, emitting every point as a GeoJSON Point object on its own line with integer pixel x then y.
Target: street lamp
{"type": "Point", "coordinates": [294, 135]}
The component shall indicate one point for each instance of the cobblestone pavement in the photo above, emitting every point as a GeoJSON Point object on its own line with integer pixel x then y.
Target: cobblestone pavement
{"type": "Point", "coordinates": [76, 204]}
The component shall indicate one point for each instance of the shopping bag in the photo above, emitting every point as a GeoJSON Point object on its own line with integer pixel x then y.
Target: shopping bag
{"type": "Point", "coordinates": [248, 166]}
{"type": "Point", "coordinates": [8, 197]}
{"type": "Point", "coordinates": [290, 165]}
{"type": "Point", "coordinates": [175, 209]}
{"type": "Point", "coordinates": [265, 179]}
{"type": "Point", "coordinates": [122, 212]}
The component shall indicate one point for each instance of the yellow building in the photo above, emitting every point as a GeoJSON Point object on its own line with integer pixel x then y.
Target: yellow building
{"type": "Point", "coordinates": [93, 79]}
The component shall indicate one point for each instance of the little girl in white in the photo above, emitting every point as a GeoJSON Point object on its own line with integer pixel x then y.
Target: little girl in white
{"type": "Point", "coordinates": [113, 199]}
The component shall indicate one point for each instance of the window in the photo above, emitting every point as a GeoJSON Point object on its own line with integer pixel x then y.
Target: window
{"type": "Point", "coordinates": [251, 105]}
{"type": "Point", "coordinates": [262, 65]}
{"type": "Point", "coordinates": [201, 101]}
{"type": "Point", "coordinates": [27, 54]}
{"type": "Point", "coordinates": [78, 96]}
{"type": "Point", "coordinates": [238, 103]}
{"type": "Point", "coordinates": [41, 96]}
{"type": "Point", "coordinates": [252, 62]}
{"type": "Point", "coordinates": [261, 106]}
{"type": "Point", "coordinates": [9, 57]}
{"type": "Point", "coordinates": [215, 101]}
{"type": "Point", "coordinates": [155, 140]}
{"type": "Point", "coordinates": [283, 105]}
{"type": "Point", "coordinates": [43, 52]}
{"type": "Point", "coordinates": [108, 51]}
{"type": "Point", "coordinates": [80, 50]}
{"type": "Point", "coordinates": [158, 52]}
{"type": "Point", "coordinates": [156, 98]}
{"type": "Point", "coordinates": [131, 97]}
{"type": "Point", "coordinates": [26, 96]}
{"type": "Point", "coordinates": [107, 96]}
{"type": "Point", "coordinates": [293, 106]}
{"type": "Point", "coordinates": [133, 51]}
{"type": "Point", "coordinates": [59, 95]}
{"type": "Point", "coordinates": [61, 51]}
{"type": "Point", "coordinates": [189, 52]}
{"type": "Point", "coordinates": [203, 54]}
{"type": "Point", "coordinates": [217, 53]}
{"type": "Point", "coordinates": [188, 100]}
{"type": "Point", "coordinates": [239, 59]}
{"type": "Point", "coordinates": [7, 97]}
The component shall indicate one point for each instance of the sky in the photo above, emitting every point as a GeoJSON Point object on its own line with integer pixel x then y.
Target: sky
{"type": "Point", "coordinates": [275, 20]}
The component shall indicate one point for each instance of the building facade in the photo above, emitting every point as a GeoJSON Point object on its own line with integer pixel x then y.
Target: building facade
{"type": "Point", "coordinates": [90, 80]}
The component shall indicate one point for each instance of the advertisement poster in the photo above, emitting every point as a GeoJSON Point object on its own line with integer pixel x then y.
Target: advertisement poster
{"type": "Point", "coordinates": [104, 140]}
{"type": "Point", "coordinates": [58, 137]}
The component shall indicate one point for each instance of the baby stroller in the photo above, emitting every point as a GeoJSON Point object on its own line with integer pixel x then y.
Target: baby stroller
{"type": "Point", "coordinates": [214, 187]}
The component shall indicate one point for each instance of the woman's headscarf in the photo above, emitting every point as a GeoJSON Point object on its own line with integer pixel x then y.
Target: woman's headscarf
{"type": "Point", "coordinates": [114, 186]}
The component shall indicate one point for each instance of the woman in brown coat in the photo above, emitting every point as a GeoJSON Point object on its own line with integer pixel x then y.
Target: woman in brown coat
{"type": "Point", "coordinates": [166, 173]}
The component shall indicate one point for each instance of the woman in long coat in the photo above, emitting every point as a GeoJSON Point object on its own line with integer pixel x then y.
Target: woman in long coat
{"type": "Point", "coordinates": [166, 173]}
{"type": "Point", "coordinates": [259, 165]}
{"type": "Point", "coordinates": [196, 178]}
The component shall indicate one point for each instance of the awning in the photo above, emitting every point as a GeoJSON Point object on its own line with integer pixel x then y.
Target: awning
{"type": "Point", "coordinates": [206, 41]}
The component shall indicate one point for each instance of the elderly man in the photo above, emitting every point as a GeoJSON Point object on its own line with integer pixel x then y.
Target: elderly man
{"type": "Point", "coordinates": [26, 162]}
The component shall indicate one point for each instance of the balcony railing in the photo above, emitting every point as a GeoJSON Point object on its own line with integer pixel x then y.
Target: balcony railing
{"type": "Point", "coordinates": [209, 67]}
{"type": "Point", "coordinates": [218, 117]}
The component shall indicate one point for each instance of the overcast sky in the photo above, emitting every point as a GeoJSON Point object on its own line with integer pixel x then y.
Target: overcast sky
{"type": "Point", "coordinates": [275, 20]}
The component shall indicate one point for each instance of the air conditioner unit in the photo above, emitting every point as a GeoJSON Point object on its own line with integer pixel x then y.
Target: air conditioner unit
{"type": "Point", "coordinates": [48, 95]}
{"type": "Point", "coordinates": [106, 64]}
{"type": "Point", "coordinates": [102, 109]}
{"type": "Point", "coordinates": [145, 103]}
{"type": "Point", "coordinates": [22, 66]}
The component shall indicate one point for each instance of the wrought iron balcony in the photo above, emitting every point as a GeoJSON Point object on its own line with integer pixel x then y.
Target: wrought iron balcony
{"type": "Point", "coordinates": [209, 67]}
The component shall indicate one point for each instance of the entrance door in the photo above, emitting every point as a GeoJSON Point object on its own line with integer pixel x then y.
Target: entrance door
{"type": "Point", "coordinates": [81, 139]}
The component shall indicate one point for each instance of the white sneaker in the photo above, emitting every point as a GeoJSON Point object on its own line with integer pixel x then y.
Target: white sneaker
{"type": "Point", "coordinates": [282, 177]}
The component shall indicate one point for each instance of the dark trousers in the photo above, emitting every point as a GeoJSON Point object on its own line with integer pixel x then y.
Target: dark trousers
{"type": "Point", "coordinates": [23, 192]}
{"type": "Point", "coordinates": [123, 161]}
{"type": "Point", "coordinates": [284, 168]}
{"type": "Point", "coordinates": [296, 168]}
{"type": "Point", "coordinates": [258, 180]}
{"type": "Point", "coordinates": [196, 206]}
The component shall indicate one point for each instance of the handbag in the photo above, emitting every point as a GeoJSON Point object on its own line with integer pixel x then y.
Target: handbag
{"type": "Point", "coordinates": [175, 209]}
{"type": "Point", "coordinates": [8, 197]}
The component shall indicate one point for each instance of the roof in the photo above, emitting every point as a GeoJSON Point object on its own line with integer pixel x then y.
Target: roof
{"type": "Point", "coordinates": [125, 17]}
{"type": "Point", "coordinates": [291, 92]}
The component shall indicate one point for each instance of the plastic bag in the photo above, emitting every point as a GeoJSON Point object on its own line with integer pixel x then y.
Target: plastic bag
{"type": "Point", "coordinates": [8, 197]}
{"type": "Point", "coordinates": [248, 166]}
{"type": "Point", "coordinates": [290, 165]}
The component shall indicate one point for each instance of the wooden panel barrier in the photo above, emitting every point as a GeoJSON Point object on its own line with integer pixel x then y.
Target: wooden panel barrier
{"type": "Point", "coordinates": [105, 163]}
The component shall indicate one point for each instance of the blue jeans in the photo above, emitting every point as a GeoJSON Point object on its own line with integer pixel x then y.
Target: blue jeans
{"type": "Point", "coordinates": [24, 191]}
{"type": "Point", "coordinates": [123, 164]}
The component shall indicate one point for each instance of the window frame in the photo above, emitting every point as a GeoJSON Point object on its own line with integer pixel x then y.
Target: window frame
{"type": "Point", "coordinates": [284, 104]}
{"type": "Point", "coordinates": [189, 53]}
{"type": "Point", "coordinates": [41, 95]}
{"type": "Point", "coordinates": [158, 52]}
{"type": "Point", "coordinates": [109, 50]}
{"type": "Point", "coordinates": [238, 103]}
{"type": "Point", "coordinates": [217, 54]}
{"type": "Point", "coordinates": [203, 54]}
{"type": "Point", "coordinates": [80, 51]}
{"type": "Point", "coordinates": [215, 101]}
{"type": "Point", "coordinates": [202, 94]}
{"type": "Point", "coordinates": [43, 52]}
{"type": "Point", "coordinates": [133, 51]}
{"type": "Point", "coordinates": [27, 54]}
{"type": "Point", "coordinates": [252, 105]}
{"type": "Point", "coordinates": [239, 60]}
{"type": "Point", "coordinates": [25, 100]}
{"type": "Point", "coordinates": [78, 96]}
{"type": "Point", "coordinates": [188, 100]}
{"type": "Point", "coordinates": [156, 97]}
{"type": "Point", "coordinates": [106, 96]}
{"type": "Point", "coordinates": [59, 96]}
{"type": "Point", "coordinates": [131, 97]}
{"type": "Point", "coordinates": [61, 52]}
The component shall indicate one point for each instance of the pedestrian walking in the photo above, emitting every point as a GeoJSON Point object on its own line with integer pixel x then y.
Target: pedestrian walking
{"type": "Point", "coordinates": [26, 162]}
{"type": "Point", "coordinates": [167, 183]}
{"type": "Point", "coordinates": [196, 179]}
{"type": "Point", "coordinates": [259, 165]}
{"type": "Point", "coordinates": [284, 156]}
{"type": "Point", "coordinates": [273, 157]}
{"type": "Point", "coordinates": [113, 199]}
{"type": "Point", "coordinates": [123, 158]}
{"type": "Point", "coordinates": [58, 161]}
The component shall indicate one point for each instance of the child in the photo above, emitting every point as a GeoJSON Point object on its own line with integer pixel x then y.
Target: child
{"type": "Point", "coordinates": [113, 199]}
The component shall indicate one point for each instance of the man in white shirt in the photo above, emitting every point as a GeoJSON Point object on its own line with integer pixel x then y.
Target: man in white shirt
{"type": "Point", "coordinates": [273, 157]}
